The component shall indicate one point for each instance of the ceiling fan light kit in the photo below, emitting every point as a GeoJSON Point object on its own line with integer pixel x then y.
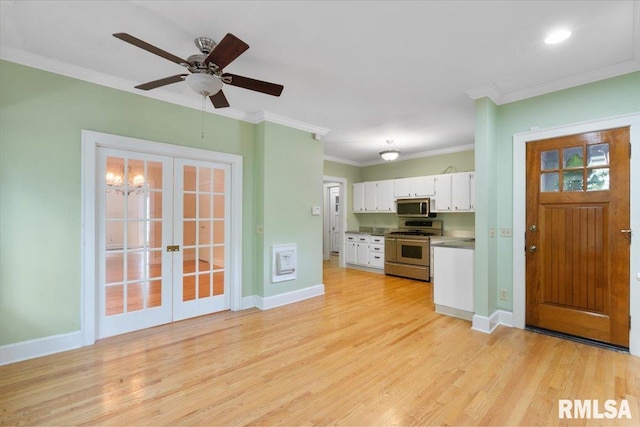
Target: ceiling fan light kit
{"type": "Point", "coordinates": [206, 78]}
{"type": "Point", "coordinates": [204, 84]}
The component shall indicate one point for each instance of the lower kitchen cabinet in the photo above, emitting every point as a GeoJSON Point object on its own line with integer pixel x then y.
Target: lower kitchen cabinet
{"type": "Point", "coordinates": [453, 281]}
{"type": "Point", "coordinates": [364, 250]}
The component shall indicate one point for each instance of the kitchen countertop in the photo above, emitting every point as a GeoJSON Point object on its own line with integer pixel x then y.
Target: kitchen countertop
{"type": "Point", "coordinates": [460, 243]}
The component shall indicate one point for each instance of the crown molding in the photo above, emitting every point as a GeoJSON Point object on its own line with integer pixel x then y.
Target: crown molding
{"type": "Point", "coordinates": [499, 98]}
{"type": "Point", "coordinates": [343, 161]}
{"type": "Point", "coordinates": [419, 155]}
{"type": "Point", "coordinates": [85, 74]}
{"type": "Point", "coordinates": [265, 116]}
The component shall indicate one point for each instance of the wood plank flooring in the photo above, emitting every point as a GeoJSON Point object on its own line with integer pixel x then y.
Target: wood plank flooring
{"type": "Point", "coordinates": [371, 351]}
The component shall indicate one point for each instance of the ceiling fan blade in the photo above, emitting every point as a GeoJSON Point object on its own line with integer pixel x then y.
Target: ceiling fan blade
{"type": "Point", "coordinates": [150, 48]}
{"type": "Point", "coordinates": [229, 48]}
{"type": "Point", "coordinates": [162, 82]}
{"type": "Point", "coordinates": [253, 84]}
{"type": "Point", "coordinates": [219, 100]}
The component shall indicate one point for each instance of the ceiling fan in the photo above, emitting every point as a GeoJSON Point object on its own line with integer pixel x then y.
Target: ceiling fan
{"type": "Point", "coordinates": [207, 77]}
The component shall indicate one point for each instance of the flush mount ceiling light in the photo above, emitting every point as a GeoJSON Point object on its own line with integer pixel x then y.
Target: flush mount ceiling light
{"type": "Point", "coordinates": [391, 153]}
{"type": "Point", "coordinates": [557, 36]}
{"type": "Point", "coordinates": [204, 84]}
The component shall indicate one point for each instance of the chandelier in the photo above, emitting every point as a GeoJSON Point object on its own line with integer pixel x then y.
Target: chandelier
{"type": "Point", "coordinates": [133, 184]}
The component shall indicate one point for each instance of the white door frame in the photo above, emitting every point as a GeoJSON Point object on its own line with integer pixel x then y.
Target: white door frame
{"type": "Point", "coordinates": [90, 142]}
{"type": "Point", "coordinates": [342, 183]}
{"type": "Point", "coordinates": [519, 213]}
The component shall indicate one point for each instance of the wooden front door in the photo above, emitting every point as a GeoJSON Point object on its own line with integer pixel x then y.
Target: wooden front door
{"type": "Point", "coordinates": [577, 239]}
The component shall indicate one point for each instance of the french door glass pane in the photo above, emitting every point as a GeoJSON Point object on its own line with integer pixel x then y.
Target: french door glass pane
{"type": "Point", "coordinates": [133, 235]}
{"type": "Point", "coordinates": [203, 231]}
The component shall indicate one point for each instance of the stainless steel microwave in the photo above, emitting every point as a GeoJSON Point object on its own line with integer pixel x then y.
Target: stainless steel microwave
{"type": "Point", "coordinates": [413, 207]}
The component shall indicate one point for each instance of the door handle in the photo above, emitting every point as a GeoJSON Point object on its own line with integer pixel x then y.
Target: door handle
{"type": "Point", "coordinates": [532, 248]}
{"type": "Point", "coordinates": [625, 231]}
{"type": "Point", "coordinates": [173, 248]}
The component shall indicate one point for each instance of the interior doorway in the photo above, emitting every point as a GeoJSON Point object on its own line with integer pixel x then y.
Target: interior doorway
{"type": "Point", "coordinates": [335, 219]}
{"type": "Point", "coordinates": [159, 242]}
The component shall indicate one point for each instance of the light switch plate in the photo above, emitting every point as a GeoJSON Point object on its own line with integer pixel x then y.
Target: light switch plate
{"type": "Point", "coordinates": [315, 210]}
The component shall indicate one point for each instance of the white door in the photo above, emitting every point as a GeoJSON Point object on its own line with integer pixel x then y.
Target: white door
{"type": "Point", "coordinates": [164, 230]}
{"type": "Point", "coordinates": [134, 220]}
{"type": "Point", "coordinates": [201, 229]}
{"type": "Point", "coordinates": [336, 232]}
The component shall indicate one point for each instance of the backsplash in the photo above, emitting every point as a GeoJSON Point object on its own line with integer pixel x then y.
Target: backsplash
{"type": "Point", "coordinates": [457, 224]}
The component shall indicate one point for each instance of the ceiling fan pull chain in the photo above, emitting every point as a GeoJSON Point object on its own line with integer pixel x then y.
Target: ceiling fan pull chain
{"type": "Point", "coordinates": [202, 115]}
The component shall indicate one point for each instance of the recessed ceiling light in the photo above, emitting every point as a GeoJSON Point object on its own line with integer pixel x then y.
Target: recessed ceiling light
{"type": "Point", "coordinates": [557, 36]}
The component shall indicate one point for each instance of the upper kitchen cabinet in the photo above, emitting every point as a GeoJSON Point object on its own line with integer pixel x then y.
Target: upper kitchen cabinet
{"type": "Point", "coordinates": [358, 197]}
{"type": "Point", "coordinates": [455, 192]}
{"type": "Point", "coordinates": [418, 186]}
{"type": "Point", "coordinates": [374, 196]}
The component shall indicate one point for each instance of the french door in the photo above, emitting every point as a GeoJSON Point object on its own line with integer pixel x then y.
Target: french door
{"type": "Point", "coordinates": [163, 234]}
{"type": "Point", "coordinates": [578, 235]}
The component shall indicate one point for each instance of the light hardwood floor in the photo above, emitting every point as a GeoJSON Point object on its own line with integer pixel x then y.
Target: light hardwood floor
{"type": "Point", "coordinates": [371, 351]}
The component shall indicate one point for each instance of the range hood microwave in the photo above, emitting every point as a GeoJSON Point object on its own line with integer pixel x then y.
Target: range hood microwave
{"type": "Point", "coordinates": [414, 208]}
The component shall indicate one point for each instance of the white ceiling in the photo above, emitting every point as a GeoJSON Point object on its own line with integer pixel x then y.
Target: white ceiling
{"type": "Point", "coordinates": [359, 72]}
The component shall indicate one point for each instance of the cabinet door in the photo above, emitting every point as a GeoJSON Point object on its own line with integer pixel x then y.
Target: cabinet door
{"type": "Point", "coordinates": [424, 186]}
{"type": "Point", "coordinates": [370, 199]}
{"type": "Point", "coordinates": [386, 201]}
{"type": "Point", "coordinates": [472, 191]}
{"type": "Point", "coordinates": [461, 192]}
{"type": "Point", "coordinates": [358, 197]}
{"type": "Point", "coordinates": [443, 193]}
{"type": "Point", "coordinates": [402, 187]}
{"type": "Point", "coordinates": [362, 256]}
{"type": "Point", "coordinates": [350, 253]}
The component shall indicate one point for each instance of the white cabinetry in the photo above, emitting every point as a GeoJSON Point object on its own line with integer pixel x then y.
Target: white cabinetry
{"type": "Point", "coordinates": [453, 281]}
{"type": "Point", "coordinates": [455, 192]}
{"type": "Point", "coordinates": [443, 193]}
{"type": "Point", "coordinates": [373, 196]}
{"type": "Point", "coordinates": [364, 250]}
{"type": "Point", "coordinates": [358, 197]}
{"type": "Point", "coordinates": [350, 246]}
{"type": "Point", "coordinates": [384, 194]}
{"type": "Point", "coordinates": [418, 186]}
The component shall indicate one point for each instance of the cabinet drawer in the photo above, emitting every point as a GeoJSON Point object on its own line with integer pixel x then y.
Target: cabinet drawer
{"type": "Point", "coordinates": [376, 260]}
{"type": "Point", "coordinates": [351, 238]}
{"type": "Point", "coordinates": [378, 240]}
{"type": "Point", "coordinates": [363, 238]}
{"type": "Point", "coordinates": [378, 249]}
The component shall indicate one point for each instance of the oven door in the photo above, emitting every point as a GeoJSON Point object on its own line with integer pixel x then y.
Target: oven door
{"type": "Point", "coordinates": [412, 251]}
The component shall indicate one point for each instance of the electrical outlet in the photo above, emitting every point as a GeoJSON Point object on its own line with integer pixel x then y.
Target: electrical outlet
{"type": "Point", "coordinates": [506, 232]}
{"type": "Point", "coordinates": [492, 232]}
{"type": "Point", "coordinates": [503, 294]}
{"type": "Point", "coordinates": [259, 229]}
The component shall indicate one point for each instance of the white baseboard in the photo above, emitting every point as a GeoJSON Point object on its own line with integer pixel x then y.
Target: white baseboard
{"type": "Point", "coordinates": [248, 302]}
{"type": "Point", "coordinates": [265, 303]}
{"type": "Point", "coordinates": [17, 352]}
{"type": "Point", "coordinates": [488, 324]}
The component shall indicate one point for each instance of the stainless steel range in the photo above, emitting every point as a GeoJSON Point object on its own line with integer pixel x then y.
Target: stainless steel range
{"type": "Point", "coordinates": [407, 249]}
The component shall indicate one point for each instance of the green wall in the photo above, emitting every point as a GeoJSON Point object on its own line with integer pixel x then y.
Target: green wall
{"type": "Point", "coordinates": [291, 181]}
{"type": "Point", "coordinates": [352, 174]}
{"type": "Point", "coordinates": [603, 99]}
{"type": "Point", "coordinates": [41, 117]}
